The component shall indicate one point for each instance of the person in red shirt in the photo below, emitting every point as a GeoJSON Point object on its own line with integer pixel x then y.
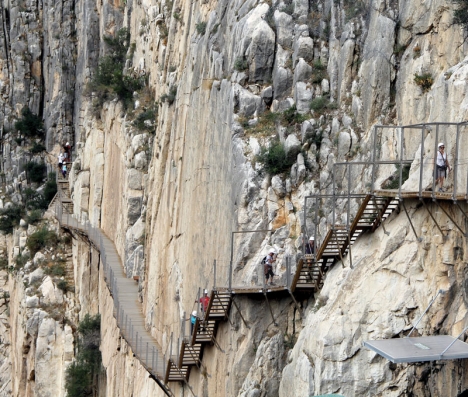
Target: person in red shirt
{"type": "Point", "coordinates": [204, 300]}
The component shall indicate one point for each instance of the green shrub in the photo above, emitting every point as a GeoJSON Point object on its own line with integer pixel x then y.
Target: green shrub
{"type": "Point", "coordinates": [424, 80]}
{"type": "Point", "coordinates": [35, 172]}
{"type": "Point", "coordinates": [21, 260]}
{"type": "Point", "coordinates": [37, 148]}
{"type": "Point", "coordinates": [10, 217]}
{"type": "Point", "coordinates": [3, 262]}
{"type": "Point", "coordinates": [34, 216]}
{"type": "Point", "coordinates": [57, 269]}
{"type": "Point", "coordinates": [109, 80]}
{"type": "Point", "coordinates": [275, 160]}
{"type": "Point", "coordinates": [291, 116]}
{"type": "Point", "coordinates": [322, 103]}
{"type": "Point", "coordinates": [460, 15]}
{"type": "Point", "coordinates": [170, 96]}
{"type": "Point", "coordinates": [394, 181]}
{"type": "Point", "coordinates": [30, 124]}
{"type": "Point", "coordinates": [83, 374]}
{"type": "Point", "coordinates": [63, 285]}
{"type": "Point", "coordinates": [201, 28]}
{"type": "Point", "coordinates": [241, 64]}
{"type": "Point", "coordinates": [149, 114]}
{"type": "Point", "coordinates": [288, 8]}
{"type": "Point", "coordinates": [318, 103]}
{"type": "Point", "coordinates": [34, 200]}
{"type": "Point", "coordinates": [50, 188]}
{"type": "Point", "coordinates": [41, 239]}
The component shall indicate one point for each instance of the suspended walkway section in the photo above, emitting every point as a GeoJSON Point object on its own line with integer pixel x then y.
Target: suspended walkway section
{"type": "Point", "coordinates": [373, 208]}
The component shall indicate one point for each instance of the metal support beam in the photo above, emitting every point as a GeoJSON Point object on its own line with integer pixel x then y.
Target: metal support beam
{"type": "Point", "coordinates": [409, 220]}
{"type": "Point", "coordinates": [448, 216]}
{"type": "Point", "coordinates": [240, 313]}
{"type": "Point", "coordinates": [425, 311]}
{"type": "Point", "coordinates": [432, 216]}
{"type": "Point", "coordinates": [294, 299]}
{"type": "Point", "coordinates": [379, 215]}
{"type": "Point", "coordinates": [269, 307]}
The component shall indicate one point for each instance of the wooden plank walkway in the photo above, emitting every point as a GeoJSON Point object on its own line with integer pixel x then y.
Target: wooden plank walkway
{"type": "Point", "coordinates": [128, 310]}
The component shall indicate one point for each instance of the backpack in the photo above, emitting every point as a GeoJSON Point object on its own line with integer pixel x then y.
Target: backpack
{"type": "Point", "coordinates": [264, 261]}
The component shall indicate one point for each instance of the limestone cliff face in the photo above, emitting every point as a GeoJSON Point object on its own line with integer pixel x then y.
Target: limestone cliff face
{"type": "Point", "coordinates": [171, 199]}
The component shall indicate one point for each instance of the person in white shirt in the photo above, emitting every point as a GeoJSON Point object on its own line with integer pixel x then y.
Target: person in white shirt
{"type": "Point", "coordinates": [60, 161]}
{"type": "Point", "coordinates": [442, 164]}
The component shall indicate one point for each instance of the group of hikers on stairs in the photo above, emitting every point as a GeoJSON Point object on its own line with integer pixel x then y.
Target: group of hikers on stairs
{"type": "Point", "coordinates": [64, 157]}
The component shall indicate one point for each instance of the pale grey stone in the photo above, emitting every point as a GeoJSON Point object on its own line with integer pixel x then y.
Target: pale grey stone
{"type": "Point", "coordinates": [292, 143]}
{"type": "Point", "coordinates": [248, 103]}
{"type": "Point", "coordinates": [134, 178]}
{"type": "Point", "coordinates": [36, 275]}
{"type": "Point", "coordinates": [278, 186]}
{"type": "Point", "coordinates": [284, 28]}
{"type": "Point", "coordinates": [32, 301]}
{"type": "Point", "coordinates": [302, 72]}
{"type": "Point", "coordinates": [134, 209]}
{"type": "Point", "coordinates": [261, 53]}
{"type": "Point", "coordinates": [140, 161]}
{"type": "Point", "coordinates": [303, 48]}
{"type": "Point", "coordinates": [303, 97]}
{"type": "Point", "coordinates": [282, 82]}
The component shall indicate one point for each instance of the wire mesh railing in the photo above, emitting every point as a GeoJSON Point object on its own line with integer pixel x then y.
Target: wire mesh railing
{"type": "Point", "coordinates": [124, 293]}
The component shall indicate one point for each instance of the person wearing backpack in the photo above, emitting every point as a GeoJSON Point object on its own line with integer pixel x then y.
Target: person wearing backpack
{"type": "Point", "coordinates": [441, 166]}
{"type": "Point", "coordinates": [268, 267]}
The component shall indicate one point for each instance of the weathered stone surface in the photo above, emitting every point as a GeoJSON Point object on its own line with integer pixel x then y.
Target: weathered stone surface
{"type": "Point", "coordinates": [292, 143]}
{"type": "Point", "coordinates": [284, 34]}
{"type": "Point", "coordinates": [303, 96]}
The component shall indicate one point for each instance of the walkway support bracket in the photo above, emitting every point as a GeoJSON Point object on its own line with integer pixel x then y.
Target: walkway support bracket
{"type": "Point", "coordinates": [453, 221]}
{"type": "Point", "coordinates": [432, 216]}
{"type": "Point", "coordinates": [269, 307]}
{"type": "Point", "coordinates": [240, 313]}
{"type": "Point", "coordinates": [409, 220]}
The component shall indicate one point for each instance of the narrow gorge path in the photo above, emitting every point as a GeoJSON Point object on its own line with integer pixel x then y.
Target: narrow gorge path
{"type": "Point", "coordinates": [128, 310]}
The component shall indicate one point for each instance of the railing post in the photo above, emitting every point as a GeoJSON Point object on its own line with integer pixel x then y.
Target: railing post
{"type": "Point", "coordinates": [230, 276]}
{"type": "Point", "coordinates": [455, 164]}
{"type": "Point", "coordinates": [374, 159]}
{"type": "Point", "coordinates": [152, 361]}
{"type": "Point", "coordinates": [434, 172]}
{"type": "Point", "coordinates": [288, 271]}
{"type": "Point", "coordinates": [170, 347]}
{"type": "Point", "coordinates": [214, 275]}
{"type": "Point", "coordinates": [421, 168]}
{"type": "Point", "coordinates": [402, 129]}
{"type": "Point", "coordinates": [182, 331]}
{"type": "Point", "coordinates": [262, 269]}
{"type": "Point", "coordinates": [136, 343]}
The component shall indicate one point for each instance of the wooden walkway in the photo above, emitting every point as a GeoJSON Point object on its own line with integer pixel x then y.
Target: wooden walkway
{"type": "Point", "coordinates": [128, 311]}
{"type": "Point", "coordinates": [175, 364]}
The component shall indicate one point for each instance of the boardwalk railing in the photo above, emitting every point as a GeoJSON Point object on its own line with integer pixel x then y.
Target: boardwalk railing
{"type": "Point", "coordinates": [127, 308]}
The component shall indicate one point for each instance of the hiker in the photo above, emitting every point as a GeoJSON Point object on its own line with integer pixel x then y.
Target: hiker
{"type": "Point", "coordinates": [442, 164]}
{"type": "Point", "coordinates": [193, 319]}
{"type": "Point", "coordinates": [64, 170]}
{"type": "Point", "coordinates": [67, 149]}
{"type": "Point", "coordinates": [60, 161]}
{"type": "Point", "coordinates": [204, 300]}
{"type": "Point", "coordinates": [268, 267]}
{"type": "Point", "coordinates": [310, 247]}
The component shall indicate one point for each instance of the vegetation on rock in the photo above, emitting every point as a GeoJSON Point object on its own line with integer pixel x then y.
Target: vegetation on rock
{"type": "Point", "coordinates": [110, 81]}
{"type": "Point", "coordinates": [30, 124]}
{"type": "Point", "coordinates": [275, 160]}
{"type": "Point", "coordinates": [82, 375]}
{"type": "Point", "coordinates": [424, 80]}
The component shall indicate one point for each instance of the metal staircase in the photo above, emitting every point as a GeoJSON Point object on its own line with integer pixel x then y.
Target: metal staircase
{"type": "Point", "coordinates": [311, 271]}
